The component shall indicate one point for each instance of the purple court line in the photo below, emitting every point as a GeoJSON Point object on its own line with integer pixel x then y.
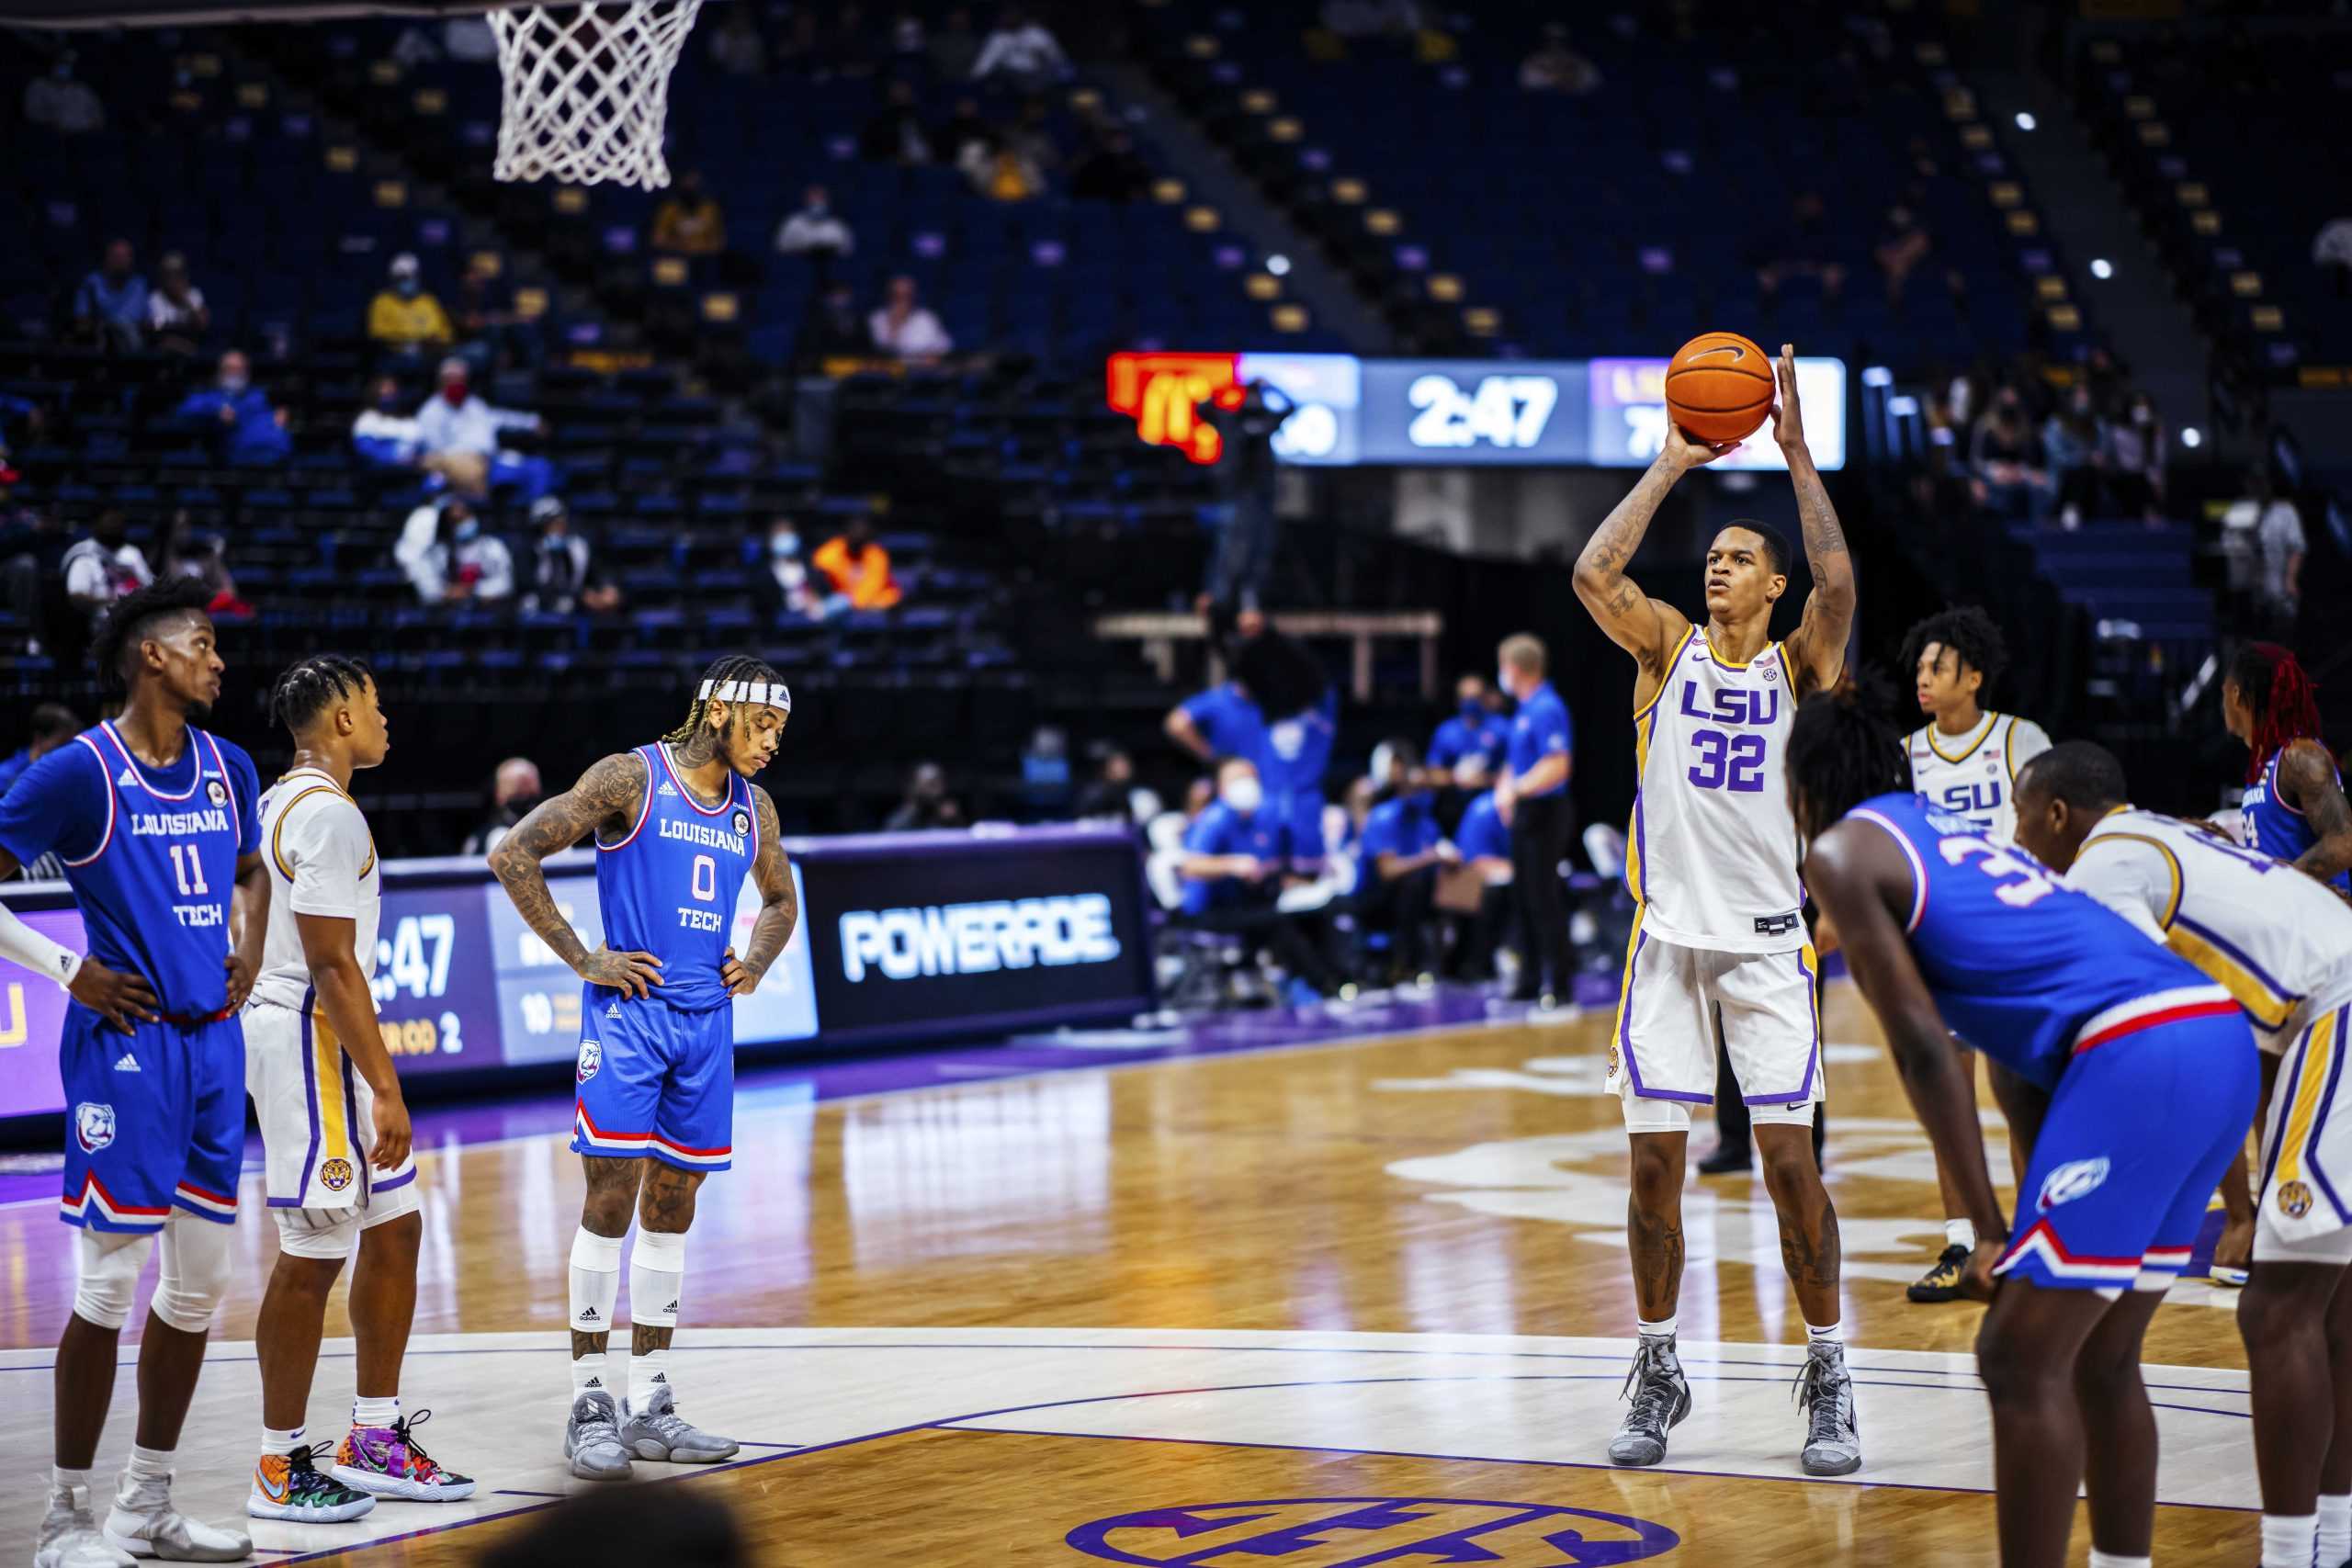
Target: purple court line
{"type": "Point", "coordinates": [959, 1424]}
{"type": "Point", "coordinates": [512, 1491]}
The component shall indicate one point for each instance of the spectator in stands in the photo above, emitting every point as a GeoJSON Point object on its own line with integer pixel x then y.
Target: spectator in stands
{"type": "Point", "coordinates": [2000, 458]}
{"type": "Point", "coordinates": [1532, 799]}
{"type": "Point", "coordinates": [833, 329]}
{"type": "Point", "coordinates": [2073, 446]}
{"type": "Point", "coordinates": [2332, 253]}
{"type": "Point", "coordinates": [1399, 855]}
{"type": "Point", "coordinates": [905, 327]}
{"type": "Point", "coordinates": [1113, 795]}
{"type": "Point", "coordinates": [960, 132]}
{"type": "Point", "coordinates": [894, 134]}
{"type": "Point", "coordinates": [926, 804]}
{"type": "Point", "coordinates": [250, 433]}
{"type": "Point", "coordinates": [188, 551]}
{"type": "Point", "coordinates": [177, 316]}
{"type": "Point", "coordinates": [563, 569]}
{"type": "Point", "coordinates": [53, 724]}
{"type": "Point", "coordinates": [63, 102]}
{"type": "Point", "coordinates": [1112, 170]}
{"type": "Point", "coordinates": [514, 794]}
{"type": "Point", "coordinates": [816, 230]}
{"type": "Point", "coordinates": [2140, 450]}
{"type": "Point", "coordinates": [461, 562]}
{"type": "Point", "coordinates": [457, 435]}
{"type": "Point", "coordinates": [104, 567]}
{"type": "Point", "coordinates": [954, 49]}
{"type": "Point", "coordinates": [1903, 244]}
{"type": "Point", "coordinates": [2275, 529]}
{"type": "Point", "coordinates": [690, 222]}
{"type": "Point", "coordinates": [784, 586]}
{"type": "Point", "coordinates": [1233, 875]}
{"type": "Point", "coordinates": [1032, 135]}
{"type": "Point", "coordinates": [404, 318]}
{"type": "Point", "coordinates": [491, 335]}
{"type": "Point", "coordinates": [1801, 249]}
{"type": "Point", "coordinates": [857, 568]}
{"type": "Point", "coordinates": [735, 47]}
{"type": "Point", "coordinates": [1002, 175]}
{"type": "Point", "coordinates": [1045, 773]}
{"type": "Point", "coordinates": [907, 37]}
{"type": "Point", "coordinates": [110, 308]}
{"type": "Point", "coordinates": [1468, 748]}
{"type": "Point", "coordinates": [1557, 68]}
{"type": "Point", "coordinates": [1020, 51]}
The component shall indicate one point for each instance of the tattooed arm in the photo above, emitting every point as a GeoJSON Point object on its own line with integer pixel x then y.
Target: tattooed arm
{"type": "Point", "coordinates": [610, 792]}
{"type": "Point", "coordinates": [1817, 649]}
{"type": "Point", "coordinates": [2307, 783]}
{"type": "Point", "coordinates": [1646, 627]}
{"type": "Point", "coordinates": [779, 905]}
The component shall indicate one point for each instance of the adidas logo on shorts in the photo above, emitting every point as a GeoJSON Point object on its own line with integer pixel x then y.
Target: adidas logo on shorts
{"type": "Point", "coordinates": [614, 1010]}
{"type": "Point", "coordinates": [126, 1062]}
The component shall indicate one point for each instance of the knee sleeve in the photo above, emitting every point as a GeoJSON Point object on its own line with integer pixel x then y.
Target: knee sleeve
{"type": "Point", "coordinates": [323, 1233]}
{"type": "Point", "coordinates": [195, 1272]}
{"type": "Point", "coordinates": [656, 1268]}
{"type": "Point", "coordinates": [106, 1268]}
{"type": "Point", "coordinates": [595, 1281]}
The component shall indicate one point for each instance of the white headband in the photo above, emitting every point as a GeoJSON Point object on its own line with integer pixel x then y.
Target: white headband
{"type": "Point", "coordinates": [765, 694]}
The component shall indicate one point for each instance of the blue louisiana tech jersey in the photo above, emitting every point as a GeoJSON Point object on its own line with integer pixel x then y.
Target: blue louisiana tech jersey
{"type": "Point", "coordinates": [669, 888]}
{"type": "Point", "coordinates": [151, 854]}
{"type": "Point", "coordinates": [2023, 967]}
{"type": "Point", "coordinates": [2277, 830]}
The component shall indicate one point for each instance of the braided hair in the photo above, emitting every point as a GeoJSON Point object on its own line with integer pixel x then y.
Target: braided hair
{"type": "Point", "coordinates": [1974, 638]}
{"type": "Point", "coordinates": [2283, 697]}
{"type": "Point", "coordinates": [309, 686]}
{"type": "Point", "coordinates": [728, 667]}
{"type": "Point", "coordinates": [127, 622]}
{"type": "Point", "coordinates": [1840, 754]}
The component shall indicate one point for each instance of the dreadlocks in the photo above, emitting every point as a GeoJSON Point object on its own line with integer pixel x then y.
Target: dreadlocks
{"type": "Point", "coordinates": [128, 622]}
{"type": "Point", "coordinates": [731, 667]}
{"type": "Point", "coordinates": [1971, 635]}
{"type": "Point", "coordinates": [1840, 754]}
{"type": "Point", "coordinates": [309, 686]}
{"type": "Point", "coordinates": [2282, 697]}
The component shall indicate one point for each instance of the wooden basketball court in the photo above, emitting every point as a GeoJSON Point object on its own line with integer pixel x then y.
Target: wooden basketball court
{"type": "Point", "coordinates": [1332, 1304]}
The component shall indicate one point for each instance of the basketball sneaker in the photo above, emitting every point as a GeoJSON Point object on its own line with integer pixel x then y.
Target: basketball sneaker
{"type": "Point", "coordinates": [69, 1536]}
{"type": "Point", "coordinates": [1661, 1397]}
{"type": "Point", "coordinates": [388, 1462]}
{"type": "Point", "coordinates": [144, 1523]}
{"type": "Point", "coordinates": [592, 1440]}
{"type": "Point", "coordinates": [1832, 1442]}
{"type": "Point", "coordinates": [1941, 1284]}
{"type": "Point", "coordinates": [291, 1486]}
{"type": "Point", "coordinates": [659, 1432]}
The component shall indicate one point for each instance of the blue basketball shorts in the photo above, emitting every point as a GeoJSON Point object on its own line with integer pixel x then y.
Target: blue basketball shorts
{"type": "Point", "coordinates": [653, 1081]}
{"type": "Point", "coordinates": [2138, 1132]}
{"type": "Point", "coordinates": [155, 1119]}
{"type": "Point", "coordinates": [1298, 817]}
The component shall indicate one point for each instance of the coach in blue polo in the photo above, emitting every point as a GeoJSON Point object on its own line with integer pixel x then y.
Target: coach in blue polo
{"type": "Point", "coordinates": [1531, 797]}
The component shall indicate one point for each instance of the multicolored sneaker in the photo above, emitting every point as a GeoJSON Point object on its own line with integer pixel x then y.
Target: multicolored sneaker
{"type": "Point", "coordinates": [388, 1462]}
{"type": "Point", "coordinates": [289, 1486]}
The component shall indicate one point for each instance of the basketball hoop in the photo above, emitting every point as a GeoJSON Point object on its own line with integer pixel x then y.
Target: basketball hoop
{"type": "Point", "coordinates": [584, 89]}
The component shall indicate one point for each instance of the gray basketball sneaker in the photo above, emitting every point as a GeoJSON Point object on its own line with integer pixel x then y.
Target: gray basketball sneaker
{"type": "Point", "coordinates": [1661, 1397]}
{"type": "Point", "coordinates": [592, 1440]}
{"type": "Point", "coordinates": [1833, 1443]}
{"type": "Point", "coordinates": [69, 1537]}
{"type": "Point", "coordinates": [658, 1431]}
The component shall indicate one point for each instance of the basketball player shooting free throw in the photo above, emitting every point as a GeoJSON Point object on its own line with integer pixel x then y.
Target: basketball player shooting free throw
{"type": "Point", "coordinates": [1718, 938]}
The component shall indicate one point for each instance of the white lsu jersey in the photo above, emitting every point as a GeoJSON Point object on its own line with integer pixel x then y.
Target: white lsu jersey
{"type": "Point", "coordinates": [2277, 940]}
{"type": "Point", "coordinates": [322, 862]}
{"type": "Point", "coordinates": [1711, 854]}
{"type": "Point", "coordinates": [1975, 775]}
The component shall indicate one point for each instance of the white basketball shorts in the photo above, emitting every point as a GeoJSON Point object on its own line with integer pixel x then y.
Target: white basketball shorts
{"type": "Point", "coordinates": [317, 1119]}
{"type": "Point", "coordinates": [1669, 1007]}
{"type": "Point", "coordinates": [2306, 1172]}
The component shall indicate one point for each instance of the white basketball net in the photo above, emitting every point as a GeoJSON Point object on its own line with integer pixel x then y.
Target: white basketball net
{"type": "Point", "coordinates": [585, 89]}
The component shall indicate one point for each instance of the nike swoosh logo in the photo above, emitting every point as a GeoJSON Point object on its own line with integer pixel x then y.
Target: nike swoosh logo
{"type": "Point", "coordinates": [1737, 353]}
{"type": "Point", "coordinates": [275, 1493]}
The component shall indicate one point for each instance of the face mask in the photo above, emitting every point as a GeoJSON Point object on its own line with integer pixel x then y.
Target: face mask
{"type": "Point", "coordinates": [522, 806]}
{"type": "Point", "coordinates": [387, 402]}
{"type": "Point", "coordinates": [454, 394]}
{"type": "Point", "coordinates": [467, 530]}
{"type": "Point", "coordinates": [407, 287]}
{"type": "Point", "coordinates": [784, 546]}
{"type": "Point", "coordinates": [1502, 680]}
{"type": "Point", "coordinates": [1473, 710]}
{"type": "Point", "coordinates": [1243, 796]}
{"type": "Point", "coordinates": [232, 385]}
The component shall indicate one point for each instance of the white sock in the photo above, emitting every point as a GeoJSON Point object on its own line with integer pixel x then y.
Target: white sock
{"type": "Point", "coordinates": [595, 1281]}
{"type": "Point", "coordinates": [63, 1480]}
{"type": "Point", "coordinates": [148, 1476]}
{"type": "Point", "coordinates": [273, 1441]}
{"type": "Point", "coordinates": [2110, 1560]}
{"type": "Point", "coordinates": [648, 1371]}
{"type": "Point", "coordinates": [2335, 1528]}
{"type": "Point", "coordinates": [1834, 1334]}
{"type": "Point", "coordinates": [590, 1374]}
{"type": "Point", "coordinates": [2289, 1540]}
{"type": "Point", "coordinates": [1960, 1232]}
{"type": "Point", "coordinates": [1662, 1329]}
{"type": "Point", "coordinates": [367, 1412]}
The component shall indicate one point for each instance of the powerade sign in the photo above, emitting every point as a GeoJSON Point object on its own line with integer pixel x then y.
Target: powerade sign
{"type": "Point", "coordinates": [931, 933]}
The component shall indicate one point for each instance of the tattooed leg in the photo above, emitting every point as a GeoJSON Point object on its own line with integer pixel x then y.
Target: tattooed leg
{"type": "Point", "coordinates": [665, 1207]}
{"type": "Point", "coordinates": [1654, 1222]}
{"type": "Point", "coordinates": [1809, 1247]}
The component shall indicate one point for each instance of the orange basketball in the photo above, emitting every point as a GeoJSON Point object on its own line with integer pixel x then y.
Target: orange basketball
{"type": "Point", "coordinates": [1719, 387]}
